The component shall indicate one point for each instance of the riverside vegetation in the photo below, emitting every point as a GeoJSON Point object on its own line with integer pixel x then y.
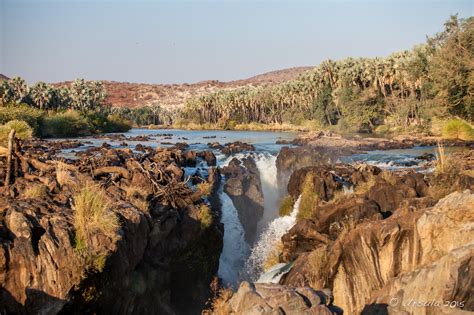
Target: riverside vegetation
{"type": "Point", "coordinates": [77, 110]}
{"type": "Point", "coordinates": [406, 91]}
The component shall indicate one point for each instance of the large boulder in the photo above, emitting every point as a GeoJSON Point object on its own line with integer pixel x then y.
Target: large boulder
{"type": "Point", "coordinates": [267, 298]}
{"type": "Point", "coordinates": [244, 187]}
{"type": "Point", "coordinates": [412, 255]}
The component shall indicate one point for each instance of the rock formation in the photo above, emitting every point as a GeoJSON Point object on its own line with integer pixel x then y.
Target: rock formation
{"type": "Point", "coordinates": [270, 298]}
{"type": "Point", "coordinates": [160, 260]}
{"type": "Point", "coordinates": [244, 187]}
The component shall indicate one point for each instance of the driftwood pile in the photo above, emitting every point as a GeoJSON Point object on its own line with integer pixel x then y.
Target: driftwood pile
{"type": "Point", "coordinates": [151, 175]}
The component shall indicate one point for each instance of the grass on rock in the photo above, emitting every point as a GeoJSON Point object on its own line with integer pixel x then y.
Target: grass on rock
{"type": "Point", "coordinates": [286, 206]}
{"type": "Point", "coordinates": [92, 214]}
{"type": "Point", "coordinates": [309, 198]}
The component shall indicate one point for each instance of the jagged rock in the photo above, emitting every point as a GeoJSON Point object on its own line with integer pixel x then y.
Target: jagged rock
{"type": "Point", "coordinates": [161, 260]}
{"type": "Point", "coordinates": [244, 187]}
{"type": "Point", "coordinates": [277, 299]}
{"type": "Point", "coordinates": [326, 180]}
{"type": "Point", "coordinates": [190, 158]}
{"type": "Point", "coordinates": [209, 157]}
{"type": "Point", "coordinates": [236, 147]}
{"type": "Point", "coordinates": [411, 254]}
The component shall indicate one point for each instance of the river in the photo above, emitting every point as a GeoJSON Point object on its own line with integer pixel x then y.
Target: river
{"type": "Point", "coordinates": [240, 260]}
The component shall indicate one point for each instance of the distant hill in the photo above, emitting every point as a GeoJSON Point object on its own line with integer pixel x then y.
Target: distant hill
{"type": "Point", "coordinates": [3, 77]}
{"type": "Point", "coordinates": [125, 94]}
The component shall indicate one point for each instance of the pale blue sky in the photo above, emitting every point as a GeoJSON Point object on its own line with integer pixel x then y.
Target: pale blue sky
{"type": "Point", "coordinates": [188, 41]}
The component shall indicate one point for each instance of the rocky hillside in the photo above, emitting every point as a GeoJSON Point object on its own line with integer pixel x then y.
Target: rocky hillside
{"type": "Point", "coordinates": [3, 77]}
{"type": "Point", "coordinates": [126, 94]}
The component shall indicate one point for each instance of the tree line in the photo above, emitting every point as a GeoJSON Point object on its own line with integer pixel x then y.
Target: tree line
{"type": "Point", "coordinates": [405, 89]}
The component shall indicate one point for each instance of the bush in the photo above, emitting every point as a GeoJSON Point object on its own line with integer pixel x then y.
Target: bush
{"type": "Point", "coordinates": [458, 129]}
{"type": "Point", "coordinates": [23, 131]}
{"type": "Point", "coordinates": [286, 206]}
{"type": "Point", "coordinates": [92, 214]}
{"type": "Point", "coordinates": [67, 124]}
{"type": "Point", "coordinates": [99, 122]}
{"type": "Point", "coordinates": [23, 112]}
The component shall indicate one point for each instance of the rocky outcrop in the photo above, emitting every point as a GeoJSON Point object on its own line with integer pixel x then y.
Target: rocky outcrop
{"type": "Point", "coordinates": [244, 187]}
{"type": "Point", "coordinates": [236, 147]}
{"type": "Point", "coordinates": [268, 298]}
{"type": "Point", "coordinates": [160, 260]}
{"type": "Point", "coordinates": [380, 266]}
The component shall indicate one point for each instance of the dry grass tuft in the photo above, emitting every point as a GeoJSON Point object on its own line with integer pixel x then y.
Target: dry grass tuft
{"type": "Point", "coordinates": [36, 191]}
{"type": "Point", "coordinates": [364, 187]}
{"type": "Point", "coordinates": [205, 188]}
{"type": "Point", "coordinates": [442, 159]}
{"type": "Point", "coordinates": [92, 214]}
{"type": "Point", "coordinates": [220, 306]}
{"type": "Point", "coordinates": [205, 216]}
{"type": "Point", "coordinates": [274, 257]}
{"type": "Point", "coordinates": [63, 175]}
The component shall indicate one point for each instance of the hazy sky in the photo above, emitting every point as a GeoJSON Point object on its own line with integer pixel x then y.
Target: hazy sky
{"type": "Point", "coordinates": [188, 41]}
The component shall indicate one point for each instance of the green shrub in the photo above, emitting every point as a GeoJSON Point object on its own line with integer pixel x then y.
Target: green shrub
{"type": "Point", "coordinates": [23, 131]}
{"type": "Point", "coordinates": [23, 112]}
{"type": "Point", "coordinates": [67, 124]}
{"type": "Point", "coordinates": [458, 129]}
{"type": "Point", "coordinates": [286, 206]}
{"type": "Point", "coordinates": [117, 124]}
{"type": "Point", "coordinates": [99, 122]}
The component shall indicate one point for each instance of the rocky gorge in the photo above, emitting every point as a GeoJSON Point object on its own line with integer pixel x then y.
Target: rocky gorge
{"type": "Point", "coordinates": [360, 239]}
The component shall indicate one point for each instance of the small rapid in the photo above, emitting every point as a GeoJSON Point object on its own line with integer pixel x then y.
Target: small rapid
{"type": "Point", "coordinates": [268, 241]}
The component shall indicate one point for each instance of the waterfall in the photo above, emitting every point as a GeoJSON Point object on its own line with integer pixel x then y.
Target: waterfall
{"type": "Point", "coordinates": [268, 241]}
{"type": "Point", "coordinates": [236, 250]}
{"type": "Point", "coordinates": [266, 164]}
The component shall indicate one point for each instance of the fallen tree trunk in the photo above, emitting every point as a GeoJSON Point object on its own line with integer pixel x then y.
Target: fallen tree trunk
{"type": "Point", "coordinates": [112, 169]}
{"type": "Point", "coordinates": [11, 143]}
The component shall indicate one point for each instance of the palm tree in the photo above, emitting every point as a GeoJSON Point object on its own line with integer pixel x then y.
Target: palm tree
{"type": "Point", "coordinates": [18, 88]}
{"type": "Point", "coordinates": [41, 94]}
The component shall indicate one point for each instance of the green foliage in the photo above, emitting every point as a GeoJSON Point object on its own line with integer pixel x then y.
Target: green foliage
{"type": "Point", "coordinates": [67, 124]}
{"type": "Point", "coordinates": [23, 131]}
{"type": "Point", "coordinates": [286, 206]}
{"type": "Point", "coordinates": [451, 67]}
{"type": "Point", "coordinates": [407, 89]}
{"type": "Point", "coordinates": [458, 129]}
{"type": "Point", "coordinates": [308, 197]}
{"type": "Point", "coordinates": [22, 112]}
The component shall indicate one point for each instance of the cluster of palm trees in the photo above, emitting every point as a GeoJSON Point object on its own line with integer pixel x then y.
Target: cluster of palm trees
{"type": "Point", "coordinates": [147, 115]}
{"type": "Point", "coordinates": [80, 95]}
{"type": "Point", "coordinates": [321, 90]}
{"type": "Point", "coordinates": [358, 90]}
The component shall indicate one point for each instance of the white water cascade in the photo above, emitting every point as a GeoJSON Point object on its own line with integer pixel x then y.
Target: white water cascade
{"type": "Point", "coordinates": [236, 250]}
{"type": "Point", "coordinates": [266, 164]}
{"type": "Point", "coordinates": [268, 241]}
{"type": "Point", "coordinates": [236, 258]}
